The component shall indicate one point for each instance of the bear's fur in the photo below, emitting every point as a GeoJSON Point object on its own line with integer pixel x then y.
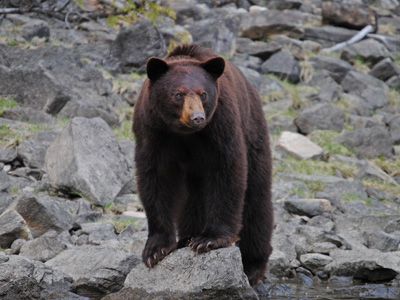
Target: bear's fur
{"type": "Point", "coordinates": [203, 160]}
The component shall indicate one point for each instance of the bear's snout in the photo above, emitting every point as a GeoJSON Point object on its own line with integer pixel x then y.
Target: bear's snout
{"type": "Point", "coordinates": [197, 118]}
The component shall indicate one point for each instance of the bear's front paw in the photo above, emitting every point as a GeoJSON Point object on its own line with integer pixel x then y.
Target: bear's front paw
{"type": "Point", "coordinates": [157, 248]}
{"type": "Point", "coordinates": [204, 244]}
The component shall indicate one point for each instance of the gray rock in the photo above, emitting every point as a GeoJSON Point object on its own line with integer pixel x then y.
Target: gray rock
{"type": "Point", "coordinates": [394, 128]}
{"type": "Point", "coordinates": [134, 45]}
{"type": "Point", "coordinates": [35, 28]}
{"type": "Point", "coordinates": [368, 142]}
{"type": "Point", "coordinates": [315, 261]}
{"type": "Point", "coordinates": [365, 264]}
{"type": "Point", "coordinates": [8, 155]}
{"type": "Point", "coordinates": [369, 50]}
{"type": "Point", "coordinates": [43, 213]}
{"type": "Point", "coordinates": [217, 32]}
{"type": "Point", "coordinates": [283, 65]}
{"type": "Point", "coordinates": [298, 146]}
{"type": "Point", "coordinates": [337, 68]}
{"type": "Point", "coordinates": [184, 274]}
{"type": "Point", "coordinates": [33, 150]}
{"type": "Point", "coordinates": [14, 268]}
{"type": "Point", "coordinates": [279, 264]}
{"type": "Point", "coordinates": [138, 242]}
{"type": "Point", "coordinates": [307, 207]}
{"type": "Point", "coordinates": [30, 115]}
{"type": "Point", "coordinates": [49, 84]}
{"type": "Point", "coordinates": [350, 14]}
{"type": "Point", "coordinates": [5, 199]}
{"type": "Point", "coordinates": [385, 69]}
{"type": "Point", "coordinates": [263, 85]}
{"type": "Point", "coordinates": [281, 123]}
{"type": "Point", "coordinates": [52, 294]}
{"type": "Point", "coordinates": [80, 159]}
{"type": "Point", "coordinates": [95, 269]}
{"type": "Point", "coordinates": [258, 25]}
{"type": "Point", "coordinates": [320, 116]}
{"type": "Point", "coordinates": [24, 288]}
{"type": "Point", "coordinates": [44, 247]}
{"type": "Point", "coordinates": [246, 61]}
{"type": "Point", "coordinates": [98, 232]}
{"type": "Point", "coordinates": [382, 241]}
{"type": "Point", "coordinates": [357, 105]}
{"type": "Point", "coordinates": [259, 49]}
{"type": "Point", "coordinates": [328, 35]}
{"type": "Point", "coordinates": [12, 227]}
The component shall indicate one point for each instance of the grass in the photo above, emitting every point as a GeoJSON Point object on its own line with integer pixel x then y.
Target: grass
{"type": "Point", "coordinates": [325, 139]}
{"type": "Point", "coordinates": [354, 197]}
{"type": "Point", "coordinates": [394, 97]}
{"type": "Point", "coordinates": [361, 65]}
{"type": "Point", "coordinates": [7, 103]}
{"type": "Point", "coordinates": [121, 224]}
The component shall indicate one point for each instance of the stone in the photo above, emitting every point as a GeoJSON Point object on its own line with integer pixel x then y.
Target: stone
{"type": "Point", "coordinates": [258, 25]}
{"type": "Point", "coordinates": [382, 241]}
{"type": "Point", "coordinates": [80, 159]}
{"type": "Point", "coordinates": [279, 123]}
{"type": "Point", "coordinates": [328, 35]}
{"type": "Point", "coordinates": [53, 294]}
{"type": "Point", "coordinates": [35, 28]}
{"type": "Point", "coordinates": [368, 142]}
{"type": "Point", "coordinates": [8, 155]}
{"type": "Point", "coordinates": [385, 69]}
{"type": "Point", "coordinates": [263, 85]}
{"type": "Point", "coordinates": [43, 213]}
{"type": "Point", "coordinates": [368, 50]}
{"type": "Point", "coordinates": [5, 199]}
{"type": "Point", "coordinates": [315, 261]}
{"type": "Point", "coordinates": [283, 65]}
{"type": "Point", "coordinates": [135, 44]}
{"type": "Point", "coordinates": [184, 274]}
{"type": "Point", "coordinates": [278, 264]}
{"type": "Point", "coordinates": [337, 68]}
{"type": "Point", "coordinates": [307, 207]}
{"type": "Point", "coordinates": [44, 247]}
{"type": "Point", "coordinates": [12, 227]}
{"type": "Point", "coordinates": [259, 49]}
{"type": "Point", "coordinates": [95, 269]}
{"type": "Point", "coordinates": [320, 116]}
{"type": "Point", "coordinates": [394, 128]}
{"type": "Point", "coordinates": [348, 14]}
{"type": "Point", "coordinates": [33, 150]}
{"type": "Point", "coordinates": [357, 105]}
{"type": "Point", "coordinates": [365, 264]}
{"type": "Point", "coordinates": [298, 146]}
{"type": "Point", "coordinates": [98, 232]}
{"type": "Point", "coordinates": [30, 115]}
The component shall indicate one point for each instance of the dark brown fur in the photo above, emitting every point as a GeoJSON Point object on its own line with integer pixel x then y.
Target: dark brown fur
{"type": "Point", "coordinates": [210, 182]}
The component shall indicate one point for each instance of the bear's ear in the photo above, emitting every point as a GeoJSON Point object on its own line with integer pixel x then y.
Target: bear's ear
{"type": "Point", "coordinates": [215, 66]}
{"type": "Point", "coordinates": [155, 68]}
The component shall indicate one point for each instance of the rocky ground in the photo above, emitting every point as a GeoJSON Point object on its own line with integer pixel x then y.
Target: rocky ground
{"type": "Point", "coordinates": [71, 225]}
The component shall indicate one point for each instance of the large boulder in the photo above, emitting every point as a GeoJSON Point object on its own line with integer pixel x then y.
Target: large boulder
{"type": "Point", "coordinates": [283, 65]}
{"type": "Point", "coordinates": [12, 227]}
{"type": "Point", "coordinates": [298, 146]}
{"type": "Point", "coordinates": [86, 159]}
{"type": "Point", "coordinates": [369, 50]}
{"type": "Point", "coordinates": [184, 274]}
{"type": "Point", "coordinates": [95, 269]}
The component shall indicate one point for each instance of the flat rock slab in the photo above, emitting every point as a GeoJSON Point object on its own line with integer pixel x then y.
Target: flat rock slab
{"type": "Point", "coordinates": [298, 146]}
{"type": "Point", "coordinates": [86, 159]}
{"type": "Point", "coordinates": [184, 274]}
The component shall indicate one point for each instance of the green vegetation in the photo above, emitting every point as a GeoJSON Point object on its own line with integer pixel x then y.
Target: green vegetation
{"type": "Point", "coordinates": [121, 224]}
{"type": "Point", "coordinates": [394, 97]}
{"type": "Point", "coordinates": [361, 65]}
{"type": "Point", "coordinates": [7, 103]}
{"type": "Point", "coordinates": [124, 130]}
{"type": "Point", "coordinates": [354, 197]}
{"type": "Point", "coordinates": [326, 140]}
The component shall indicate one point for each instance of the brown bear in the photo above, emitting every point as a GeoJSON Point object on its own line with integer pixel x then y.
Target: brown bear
{"type": "Point", "coordinates": [203, 161]}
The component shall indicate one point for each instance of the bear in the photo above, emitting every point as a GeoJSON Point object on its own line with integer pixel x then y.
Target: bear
{"type": "Point", "coordinates": [203, 160]}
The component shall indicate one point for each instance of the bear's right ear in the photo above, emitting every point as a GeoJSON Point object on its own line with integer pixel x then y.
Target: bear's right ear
{"type": "Point", "coordinates": [155, 68]}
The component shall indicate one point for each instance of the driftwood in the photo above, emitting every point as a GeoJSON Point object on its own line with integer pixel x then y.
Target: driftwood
{"type": "Point", "coordinates": [358, 37]}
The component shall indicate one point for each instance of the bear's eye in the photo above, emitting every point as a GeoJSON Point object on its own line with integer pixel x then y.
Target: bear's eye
{"type": "Point", "coordinates": [203, 96]}
{"type": "Point", "coordinates": [179, 96]}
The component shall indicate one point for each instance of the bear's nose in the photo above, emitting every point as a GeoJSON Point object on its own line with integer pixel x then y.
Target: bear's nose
{"type": "Point", "coordinates": [197, 118]}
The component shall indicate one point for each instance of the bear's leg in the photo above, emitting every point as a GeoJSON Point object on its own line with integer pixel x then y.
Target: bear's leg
{"type": "Point", "coordinates": [222, 201]}
{"type": "Point", "coordinates": [160, 193]}
{"type": "Point", "coordinates": [255, 236]}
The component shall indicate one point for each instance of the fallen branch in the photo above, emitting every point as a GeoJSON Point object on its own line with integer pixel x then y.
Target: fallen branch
{"type": "Point", "coordinates": [358, 37]}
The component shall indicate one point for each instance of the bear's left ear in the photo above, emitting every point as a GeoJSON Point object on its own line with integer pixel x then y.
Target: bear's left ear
{"type": "Point", "coordinates": [215, 66]}
{"type": "Point", "coordinates": [155, 68]}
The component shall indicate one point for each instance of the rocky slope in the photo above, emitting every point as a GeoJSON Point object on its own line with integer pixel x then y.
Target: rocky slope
{"type": "Point", "coordinates": [71, 225]}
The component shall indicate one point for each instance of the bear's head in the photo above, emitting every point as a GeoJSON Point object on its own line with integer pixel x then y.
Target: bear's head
{"type": "Point", "coordinates": [185, 91]}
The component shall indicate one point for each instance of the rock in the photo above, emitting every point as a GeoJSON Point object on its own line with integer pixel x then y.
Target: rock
{"type": "Point", "coordinates": [43, 213]}
{"type": "Point", "coordinates": [98, 232]}
{"type": "Point", "coordinates": [365, 264]}
{"type": "Point", "coordinates": [218, 32]}
{"type": "Point", "coordinates": [368, 50]}
{"type": "Point", "coordinates": [33, 150]}
{"type": "Point", "coordinates": [337, 68]}
{"type": "Point", "coordinates": [279, 264]}
{"type": "Point", "coordinates": [258, 25]}
{"type": "Point", "coordinates": [24, 288]}
{"type": "Point", "coordinates": [281, 123]}
{"type": "Point", "coordinates": [307, 207]}
{"type": "Point", "coordinates": [320, 116]}
{"type": "Point", "coordinates": [298, 146]}
{"type": "Point", "coordinates": [5, 198]}
{"type": "Point", "coordinates": [52, 294]}
{"type": "Point", "coordinates": [135, 44]}
{"type": "Point", "coordinates": [12, 227]}
{"type": "Point", "coordinates": [8, 155]}
{"type": "Point", "coordinates": [49, 84]}
{"type": "Point", "coordinates": [44, 247]}
{"type": "Point", "coordinates": [328, 35]}
{"type": "Point", "coordinates": [357, 105]}
{"type": "Point", "coordinates": [94, 269]}
{"type": "Point", "coordinates": [382, 241]}
{"type": "Point", "coordinates": [246, 61]}
{"type": "Point", "coordinates": [394, 128]}
{"type": "Point", "coordinates": [28, 114]}
{"type": "Point", "coordinates": [368, 142]}
{"type": "Point", "coordinates": [88, 147]}
{"type": "Point", "coordinates": [14, 268]}
{"type": "Point", "coordinates": [385, 69]}
{"type": "Point", "coordinates": [283, 65]}
{"type": "Point", "coordinates": [36, 28]}
{"type": "Point", "coordinates": [184, 274]}
{"type": "Point", "coordinates": [315, 261]}
{"type": "Point", "coordinates": [263, 85]}
{"type": "Point", "coordinates": [348, 14]}
{"type": "Point", "coordinates": [259, 49]}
